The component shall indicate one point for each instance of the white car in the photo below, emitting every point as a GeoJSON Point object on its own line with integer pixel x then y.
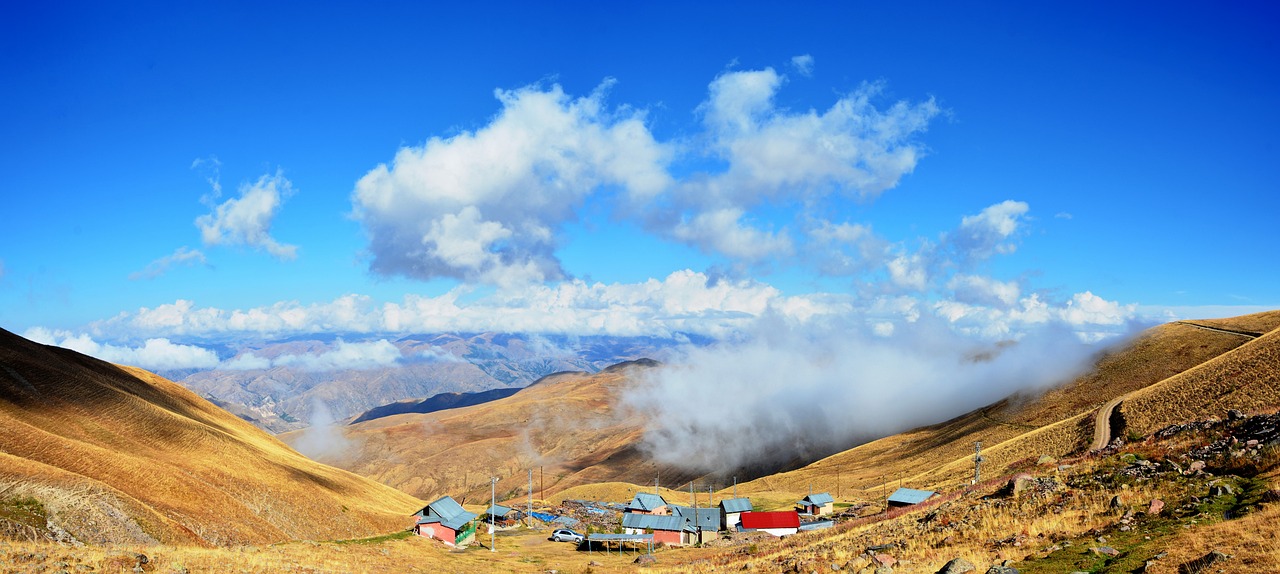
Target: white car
{"type": "Point", "coordinates": [566, 535]}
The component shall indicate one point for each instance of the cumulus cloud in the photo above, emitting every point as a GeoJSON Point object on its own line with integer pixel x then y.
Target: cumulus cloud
{"type": "Point", "coordinates": [987, 233]}
{"type": "Point", "coordinates": [683, 302]}
{"type": "Point", "coordinates": [342, 356]}
{"type": "Point", "coordinates": [246, 220]}
{"type": "Point", "coordinates": [979, 290]}
{"type": "Point", "coordinates": [487, 206]}
{"type": "Point", "coordinates": [182, 256]}
{"type": "Point", "coordinates": [803, 64]}
{"type": "Point", "coordinates": [154, 354]}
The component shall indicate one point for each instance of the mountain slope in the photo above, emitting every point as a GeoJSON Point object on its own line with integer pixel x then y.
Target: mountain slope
{"type": "Point", "coordinates": [117, 454]}
{"type": "Point", "coordinates": [1169, 373]}
{"type": "Point", "coordinates": [567, 426]}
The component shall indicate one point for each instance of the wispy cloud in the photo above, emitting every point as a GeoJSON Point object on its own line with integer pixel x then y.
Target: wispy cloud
{"type": "Point", "coordinates": [246, 220]}
{"type": "Point", "coordinates": [183, 256]}
{"type": "Point", "coordinates": [803, 64]}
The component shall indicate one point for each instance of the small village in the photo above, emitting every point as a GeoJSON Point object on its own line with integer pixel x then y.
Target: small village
{"type": "Point", "coordinates": [649, 521]}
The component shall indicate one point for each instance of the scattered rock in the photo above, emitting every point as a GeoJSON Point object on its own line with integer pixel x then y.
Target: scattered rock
{"type": "Point", "coordinates": [1217, 489]}
{"type": "Point", "coordinates": [1156, 507]}
{"type": "Point", "coordinates": [884, 570]}
{"type": "Point", "coordinates": [645, 560]}
{"type": "Point", "coordinates": [885, 560]}
{"type": "Point", "coordinates": [1116, 503]}
{"type": "Point", "coordinates": [1235, 415]}
{"type": "Point", "coordinates": [1203, 563]}
{"type": "Point", "coordinates": [957, 566]}
{"type": "Point", "coordinates": [1196, 466]}
{"type": "Point", "coordinates": [1105, 551]}
{"type": "Point", "coordinates": [998, 569]}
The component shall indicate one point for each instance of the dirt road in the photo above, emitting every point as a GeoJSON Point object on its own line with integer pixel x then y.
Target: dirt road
{"type": "Point", "coordinates": [1102, 424]}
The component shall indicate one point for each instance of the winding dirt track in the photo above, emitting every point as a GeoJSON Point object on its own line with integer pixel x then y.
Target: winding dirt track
{"type": "Point", "coordinates": [1102, 424]}
{"type": "Point", "coordinates": [1248, 334]}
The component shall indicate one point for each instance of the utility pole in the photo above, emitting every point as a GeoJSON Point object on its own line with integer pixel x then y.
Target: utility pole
{"type": "Point", "coordinates": [530, 518]}
{"type": "Point", "coordinates": [493, 489]}
{"type": "Point", "coordinates": [735, 487]}
{"type": "Point", "coordinates": [542, 486]}
{"type": "Point", "coordinates": [837, 484]}
{"type": "Point", "coordinates": [977, 462]}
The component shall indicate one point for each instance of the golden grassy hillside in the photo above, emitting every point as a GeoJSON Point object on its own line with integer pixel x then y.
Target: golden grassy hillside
{"type": "Point", "coordinates": [116, 454]}
{"type": "Point", "coordinates": [566, 428]}
{"type": "Point", "coordinates": [1174, 372]}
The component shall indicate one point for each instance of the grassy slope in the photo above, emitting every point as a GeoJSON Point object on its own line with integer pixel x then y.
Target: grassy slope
{"type": "Point", "coordinates": [123, 455]}
{"type": "Point", "coordinates": [1020, 429]}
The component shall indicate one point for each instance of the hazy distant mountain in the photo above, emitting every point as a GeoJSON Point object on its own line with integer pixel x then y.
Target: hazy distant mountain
{"type": "Point", "coordinates": [292, 383]}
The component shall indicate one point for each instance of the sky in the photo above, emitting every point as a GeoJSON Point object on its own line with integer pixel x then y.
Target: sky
{"type": "Point", "coordinates": [175, 174]}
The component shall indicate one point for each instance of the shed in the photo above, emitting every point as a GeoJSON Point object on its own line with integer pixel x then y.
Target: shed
{"type": "Point", "coordinates": [817, 504]}
{"type": "Point", "coordinates": [446, 521]}
{"type": "Point", "coordinates": [646, 503]}
{"type": "Point", "coordinates": [909, 496]}
{"type": "Point", "coordinates": [782, 523]}
{"type": "Point", "coordinates": [731, 511]}
{"type": "Point", "coordinates": [670, 530]}
{"type": "Point", "coordinates": [502, 515]}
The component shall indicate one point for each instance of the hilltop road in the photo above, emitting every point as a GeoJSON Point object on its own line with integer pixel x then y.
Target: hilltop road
{"type": "Point", "coordinates": [1249, 334]}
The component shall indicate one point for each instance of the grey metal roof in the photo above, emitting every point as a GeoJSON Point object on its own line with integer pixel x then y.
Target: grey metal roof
{"type": "Point", "coordinates": [820, 499]}
{"type": "Point", "coordinates": [646, 501]}
{"type": "Point", "coordinates": [446, 511]}
{"type": "Point", "coordinates": [459, 521]}
{"type": "Point", "coordinates": [497, 510]}
{"type": "Point", "coordinates": [655, 522]}
{"type": "Point", "coordinates": [705, 518]}
{"type": "Point", "coordinates": [620, 538]}
{"type": "Point", "coordinates": [736, 505]}
{"type": "Point", "coordinates": [910, 496]}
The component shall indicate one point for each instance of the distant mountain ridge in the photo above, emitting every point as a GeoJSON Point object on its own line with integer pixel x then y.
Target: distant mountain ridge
{"type": "Point", "coordinates": [285, 397]}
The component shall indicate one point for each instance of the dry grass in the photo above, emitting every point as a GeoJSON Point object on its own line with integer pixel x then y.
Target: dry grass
{"type": "Point", "coordinates": [121, 455]}
{"type": "Point", "coordinates": [1247, 379]}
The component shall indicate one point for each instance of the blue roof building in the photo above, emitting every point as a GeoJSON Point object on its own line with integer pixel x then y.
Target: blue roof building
{"type": "Point", "coordinates": [909, 496]}
{"type": "Point", "coordinates": [647, 503]}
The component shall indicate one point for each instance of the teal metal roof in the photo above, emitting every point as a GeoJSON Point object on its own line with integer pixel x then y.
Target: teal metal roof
{"type": "Point", "coordinates": [820, 499]}
{"type": "Point", "coordinates": [655, 522]}
{"type": "Point", "coordinates": [646, 501]}
{"type": "Point", "coordinates": [497, 510]}
{"type": "Point", "coordinates": [910, 496]}
{"type": "Point", "coordinates": [736, 505]}
{"type": "Point", "coordinates": [704, 518]}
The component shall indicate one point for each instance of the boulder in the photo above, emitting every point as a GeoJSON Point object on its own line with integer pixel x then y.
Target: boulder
{"type": "Point", "coordinates": [885, 560]}
{"type": "Point", "coordinates": [1105, 551]}
{"type": "Point", "coordinates": [957, 566]}
{"type": "Point", "coordinates": [998, 569]}
{"type": "Point", "coordinates": [1204, 563]}
{"type": "Point", "coordinates": [1156, 507]}
{"type": "Point", "coordinates": [645, 560]}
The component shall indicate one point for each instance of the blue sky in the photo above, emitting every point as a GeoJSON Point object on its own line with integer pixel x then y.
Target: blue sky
{"type": "Point", "coordinates": [194, 171]}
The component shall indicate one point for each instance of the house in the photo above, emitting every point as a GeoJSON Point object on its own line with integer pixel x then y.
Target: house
{"type": "Point", "coordinates": [819, 504]}
{"type": "Point", "coordinates": [704, 519]}
{"type": "Point", "coordinates": [731, 511]}
{"type": "Point", "coordinates": [646, 503]}
{"type": "Point", "coordinates": [670, 530]}
{"type": "Point", "coordinates": [783, 523]}
{"type": "Point", "coordinates": [502, 516]}
{"type": "Point", "coordinates": [909, 496]}
{"type": "Point", "coordinates": [447, 521]}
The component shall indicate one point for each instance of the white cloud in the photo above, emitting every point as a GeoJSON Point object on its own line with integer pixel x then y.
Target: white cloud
{"type": "Point", "coordinates": [182, 256]}
{"type": "Point", "coordinates": [980, 290]}
{"type": "Point", "coordinates": [803, 64]}
{"type": "Point", "coordinates": [985, 234]}
{"type": "Point", "coordinates": [342, 356]}
{"type": "Point", "coordinates": [487, 205]}
{"type": "Point", "coordinates": [246, 220]}
{"type": "Point", "coordinates": [154, 354]}
{"type": "Point", "coordinates": [684, 301]}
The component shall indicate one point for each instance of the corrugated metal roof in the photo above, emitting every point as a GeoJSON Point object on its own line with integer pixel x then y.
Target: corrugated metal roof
{"type": "Point", "coordinates": [736, 505]}
{"type": "Point", "coordinates": [819, 499]}
{"type": "Point", "coordinates": [459, 521]}
{"type": "Point", "coordinates": [781, 519]}
{"type": "Point", "coordinates": [705, 518]}
{"type": "Point", "coordinates": [655, 522]}
{"type": "Point", "coordinates": [444, 507]}
{"type": "Point", "coordinates": [910, 496]}
{"type": "Point", "coordinates": [621, 538]}
{"type": "Point", "coordinates": [497, 510]}
{"type": "Point", "coordinates": [646, 501]}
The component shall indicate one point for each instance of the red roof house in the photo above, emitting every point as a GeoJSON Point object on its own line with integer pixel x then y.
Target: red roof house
{"type": "Point", "coordinates": [782, 523]}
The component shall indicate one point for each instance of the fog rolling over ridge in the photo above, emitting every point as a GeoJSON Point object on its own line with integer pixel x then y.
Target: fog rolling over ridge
{"type": "Point", "coordinates": [791, 391]}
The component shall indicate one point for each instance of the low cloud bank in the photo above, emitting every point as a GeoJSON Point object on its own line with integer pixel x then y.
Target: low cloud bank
{"type": "Point", "coordinates": [791, 390]}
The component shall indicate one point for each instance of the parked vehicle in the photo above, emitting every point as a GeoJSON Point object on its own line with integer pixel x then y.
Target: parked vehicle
{"type": "Point", "coordinates": [566, 535]}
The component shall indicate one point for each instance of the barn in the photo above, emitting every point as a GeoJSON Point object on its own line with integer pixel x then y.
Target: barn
{"type": "Point", "coordinates": [782, 523]}
{"type": "Point", "coordinates": [447, 521]}
{"type": "Point", "coordinates": [731, 511]}
{"type": "Point", "coordinates": [669, 530]}
{"type": "Point", "coordinates": [646, 503]}
{"type": "Point", "coordinates": [820, 504]}
{"type": "Point", "coordinates": [909, 496]}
